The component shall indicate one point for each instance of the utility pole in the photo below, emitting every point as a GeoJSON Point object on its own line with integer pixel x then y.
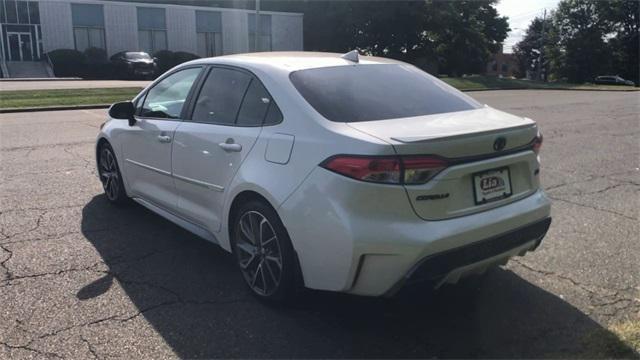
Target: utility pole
{"type": "Point", "coordinates": [257, 32]}
{"type": "Point", "coordinates": [540, 55]}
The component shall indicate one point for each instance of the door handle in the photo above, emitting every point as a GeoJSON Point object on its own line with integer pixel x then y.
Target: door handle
{"type": "Point", "coordinates": [164, 138]}
{"type": "Point", "coordinates": [227, 146]}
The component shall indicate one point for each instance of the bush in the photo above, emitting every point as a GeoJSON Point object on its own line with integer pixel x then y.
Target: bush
{"type": "Point", "coordinates": [182, 57]}
{"type": "Point", "coordinates": [68, 62]}
{"type": "Point", "coordinates": [166, 59]}
{"type": "Point", "coordinates": [98, 65]}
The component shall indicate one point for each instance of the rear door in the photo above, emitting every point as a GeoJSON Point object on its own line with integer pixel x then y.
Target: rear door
{"type": "Point", "coordinates": [147, 144]}
{"type": "Point", "coordinates": [209, 147]}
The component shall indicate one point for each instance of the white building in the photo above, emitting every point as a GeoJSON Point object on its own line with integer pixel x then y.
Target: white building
{"type": "Point", "coordinates": [32, 28]}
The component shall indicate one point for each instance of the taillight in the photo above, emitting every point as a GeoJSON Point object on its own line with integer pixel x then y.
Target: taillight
{"type": "Point", "coordinates": [537, 143]}
{"type": "Point", "coordinates": [373, 169]}
{"type": "Point", "coordinates": [420, 169]}
{"type": "Point", "coordinates": [386, 169]}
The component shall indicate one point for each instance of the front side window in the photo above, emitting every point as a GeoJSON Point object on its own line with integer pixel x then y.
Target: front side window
{"type": "Point", "coordinates": [221, 96]}
{"type": "Point", "coordinates": [166, 99]}
{"type": "Point", "coordinates": [377, 92]}
{"type": "Point", "coordinates": [152, 29]}
{"type": "Point", "coordinates": [88, 26]}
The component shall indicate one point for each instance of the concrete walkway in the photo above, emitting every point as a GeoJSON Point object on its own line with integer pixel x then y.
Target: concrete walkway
{"type": "Point", "coordinates": [68, 84]}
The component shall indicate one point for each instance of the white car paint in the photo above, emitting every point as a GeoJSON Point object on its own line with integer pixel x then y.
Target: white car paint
{"type": "Point", "coordinates": [349, 235]}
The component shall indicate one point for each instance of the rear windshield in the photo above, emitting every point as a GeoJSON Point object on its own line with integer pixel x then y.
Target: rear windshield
{"type": "Point", "coordinates": [377, 92]}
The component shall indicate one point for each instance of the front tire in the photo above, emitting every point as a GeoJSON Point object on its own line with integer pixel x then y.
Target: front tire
{"type": "Point", "coordinates": [110, 176]}
{"type": "Point", "coordinates": [264, 253]}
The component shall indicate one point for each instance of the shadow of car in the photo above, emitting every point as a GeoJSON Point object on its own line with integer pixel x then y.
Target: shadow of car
{"type": "Point", "coordinates": [133, 65]}
{"type": "Point", "coordinates": [190, 291]}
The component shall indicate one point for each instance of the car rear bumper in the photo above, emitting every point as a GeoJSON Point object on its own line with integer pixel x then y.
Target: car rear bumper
{"type": "Point", "coordinates": [451, 265]}
{"type": "Point", "coordinates": [365, 238]}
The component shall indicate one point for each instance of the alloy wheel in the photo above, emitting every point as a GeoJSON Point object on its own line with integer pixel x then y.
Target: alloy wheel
{"type": "Point", "coordinates": [259, 254]}
{"type": "Point", "coordinates": [109, 174]}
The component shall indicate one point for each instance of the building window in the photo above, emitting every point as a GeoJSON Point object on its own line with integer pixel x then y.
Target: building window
{"type": "Point", "coordinates": [88, 26]}
{"type": "Point", "coordinates": [264, 36]}
{"type": "Point", "coordinates": [20, 30]}
{"type": "Point", "coordinates": [209, 33]}
{"type": "Point", "coordinates": [19, 12]}
{"type": "Point", "coordinates": [152, 30]}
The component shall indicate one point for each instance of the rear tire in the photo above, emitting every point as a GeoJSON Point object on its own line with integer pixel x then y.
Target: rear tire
{"type": "Point", "coordinates": [110, 176]}
{"type": "Point", "coordinates": [264, 253]}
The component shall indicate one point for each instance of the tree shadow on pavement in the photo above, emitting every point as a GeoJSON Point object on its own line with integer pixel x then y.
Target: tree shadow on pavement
{"type": "Point", "coordinates": [192, 294]}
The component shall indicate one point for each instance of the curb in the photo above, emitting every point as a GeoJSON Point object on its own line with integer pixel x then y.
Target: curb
{"type": "Point", "coordinates": [55, 108]}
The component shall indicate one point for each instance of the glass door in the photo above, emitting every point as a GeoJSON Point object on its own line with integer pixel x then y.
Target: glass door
{"type": "Point", "coordinates": [20, 46]}
{"type": "Point", "coordinates": [26, 47]}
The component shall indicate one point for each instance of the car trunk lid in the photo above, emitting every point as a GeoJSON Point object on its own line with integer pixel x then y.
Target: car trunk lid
{"type": "Point", "coordinates": [481, 147]}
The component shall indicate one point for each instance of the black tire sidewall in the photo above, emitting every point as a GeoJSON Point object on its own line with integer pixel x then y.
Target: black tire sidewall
{"type": "Point", "coordinates": [122, 198]}
{"type": "Point", "coordinates": [287, 289]}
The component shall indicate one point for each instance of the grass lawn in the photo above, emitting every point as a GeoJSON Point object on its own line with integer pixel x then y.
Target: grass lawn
{"type": "Point", "coordinates": [492, 82]}
{"type": "Point", "coordinates": [64, 97]}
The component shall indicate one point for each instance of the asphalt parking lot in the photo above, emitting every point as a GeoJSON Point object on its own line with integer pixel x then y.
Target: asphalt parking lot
{"type": "Point", "coordinates": [81, 279]}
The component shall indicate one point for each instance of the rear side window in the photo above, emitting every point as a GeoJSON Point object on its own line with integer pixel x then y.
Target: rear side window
{"type": "Point", "coordinates": [377, 92]}
{"type": "Point", "coordinates": [220, 97]}
{"type": "Point", "coordinates": [254, 106]}
{"type": "Point", "coordinates": [233, 97]}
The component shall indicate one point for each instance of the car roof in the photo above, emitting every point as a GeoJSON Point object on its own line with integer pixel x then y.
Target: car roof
{"type": "Point", "coordinates": [289, 61]}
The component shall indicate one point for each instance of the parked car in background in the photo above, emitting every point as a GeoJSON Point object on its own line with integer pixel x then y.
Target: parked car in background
{"type": "Point", "coordinates": [613, 80]}
{"type": "Point", "coordinates": [340, 173]}
{"type": "Point", "coordinates": [130, 64]}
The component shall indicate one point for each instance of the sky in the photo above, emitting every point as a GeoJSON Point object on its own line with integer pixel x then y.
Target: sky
{"type": "Point", "coordinates": [520, 13]}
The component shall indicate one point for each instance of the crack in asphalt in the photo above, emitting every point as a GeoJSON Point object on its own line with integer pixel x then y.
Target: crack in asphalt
{"type": "Point", "coordinates": [90, 347]}
{"type": "Point", "coordinates": [28, 348]}
{"type": "Point", "coordinates": [593, 207]}
{"type": "Point", "coordinates": [3, 263]}
{"type": "Point", "coordinates": [602, 298]}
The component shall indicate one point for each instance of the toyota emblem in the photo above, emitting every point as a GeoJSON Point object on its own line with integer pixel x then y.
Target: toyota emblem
{"type": "Point", "coordinates": [499, 144]}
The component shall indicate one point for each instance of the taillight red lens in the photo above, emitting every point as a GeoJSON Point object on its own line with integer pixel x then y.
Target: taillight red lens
{"type": "Point", "coordinates": [537, 143]}
{"type": "Point", "coordinates": [374, 169]}
{"type": "Point", "coordinates": [420, 169]}
{"type": "Point", "coordinates": [387, 169]}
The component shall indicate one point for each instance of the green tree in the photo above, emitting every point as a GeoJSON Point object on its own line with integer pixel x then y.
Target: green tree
{"type": "Point", "coordinates": [582, 29]}
{"type": "Point", "coordinates": [623, 20]}
{"type": "Point", "coordinates": [538, 47]}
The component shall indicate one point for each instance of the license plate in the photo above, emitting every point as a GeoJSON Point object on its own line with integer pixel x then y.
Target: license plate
{"type": "Point", "coordinates": [491, 185]}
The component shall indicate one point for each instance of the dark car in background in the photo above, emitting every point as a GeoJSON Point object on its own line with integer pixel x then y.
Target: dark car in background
{"type": "Point", "coordinates": [612, 80]}
{"type": "Point", "coordinates": [130, 64]}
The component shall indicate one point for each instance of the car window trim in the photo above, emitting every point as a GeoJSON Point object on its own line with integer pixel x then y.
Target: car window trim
{"type": "Point", "coordinates": [189, 117]}
{"type": "Point", "coordinates": [143, 96]}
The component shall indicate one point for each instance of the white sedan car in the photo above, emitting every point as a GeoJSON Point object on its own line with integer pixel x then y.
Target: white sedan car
{"type": "Point", "coordinates": [335, 172]}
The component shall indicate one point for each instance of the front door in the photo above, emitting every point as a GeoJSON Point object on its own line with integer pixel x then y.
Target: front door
{"type": "Point", "coordinates": [147, 145]}
{"type": "Point", "coordinates": [20, 46]}
{"type": "Point", "coordinates": [209, 148]}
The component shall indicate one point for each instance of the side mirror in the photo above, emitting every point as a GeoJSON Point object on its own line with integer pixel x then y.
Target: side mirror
{"type": "Point", "coordinates": [123, 110]}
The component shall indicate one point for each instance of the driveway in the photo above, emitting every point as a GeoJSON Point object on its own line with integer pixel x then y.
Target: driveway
{"type": "Point", "coordinates": [69, 84]}
{"type": "Point", "coordinates": [80, 278]}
